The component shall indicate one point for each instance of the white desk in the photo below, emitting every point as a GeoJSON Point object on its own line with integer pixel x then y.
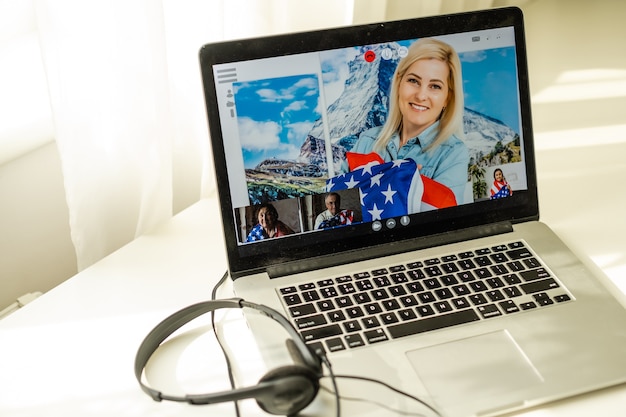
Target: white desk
{"type": "Point", "coordinates": [71, 352]}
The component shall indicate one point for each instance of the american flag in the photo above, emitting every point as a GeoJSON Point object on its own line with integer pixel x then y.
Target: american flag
{"type": "Point", "coordinates": [390, 189]}
{"type": "Point", "coordinates": [499, 191]}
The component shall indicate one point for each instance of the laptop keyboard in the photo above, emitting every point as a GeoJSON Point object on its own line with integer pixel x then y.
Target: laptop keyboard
{"type": "Point", "coordinates": [387, 303]}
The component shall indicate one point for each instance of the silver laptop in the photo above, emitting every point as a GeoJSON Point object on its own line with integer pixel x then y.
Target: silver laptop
{"type": "Point", "coordinates": [445, 285]}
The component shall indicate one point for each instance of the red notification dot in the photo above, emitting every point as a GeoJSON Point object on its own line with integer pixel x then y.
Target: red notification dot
{"type": "Point", "coordinates": [370, 56]}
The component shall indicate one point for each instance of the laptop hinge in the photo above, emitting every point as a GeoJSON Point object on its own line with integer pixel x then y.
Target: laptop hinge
{"type": "Point", "coordinates": [423, 242]}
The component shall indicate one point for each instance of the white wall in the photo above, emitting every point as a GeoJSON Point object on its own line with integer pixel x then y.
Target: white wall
{"type": "Point", "coordinates": [36, 252]}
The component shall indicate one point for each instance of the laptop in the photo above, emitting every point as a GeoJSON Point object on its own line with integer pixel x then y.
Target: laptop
{"type": "Point", "coordinates": [449, 289]}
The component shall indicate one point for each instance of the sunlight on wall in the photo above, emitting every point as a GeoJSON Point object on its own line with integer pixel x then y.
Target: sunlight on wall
{"type": "Point", "coordinates": [588, 84]}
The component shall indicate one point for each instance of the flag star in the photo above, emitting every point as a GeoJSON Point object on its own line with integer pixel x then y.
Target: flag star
{"type": "Point", "coordinates": [368, 167]}
{"type": "Point", "coordinates": [351, 183]}
{"type": "Point", "coordinates": [375, 212]}
{"type": "Point", "coordinates": [363, 195]}
{"type": "Point", "coordinates": [398, 162]}
{"type": "Point", "coordinates": [389, 194]}
{"type": "Point", "coordinates": [329, 184]}
{"type": "Point", "coordinates": [376, 179]}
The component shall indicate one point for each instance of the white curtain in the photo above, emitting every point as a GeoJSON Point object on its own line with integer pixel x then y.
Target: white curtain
{"type": "Point", "coordinates": [127, 105]}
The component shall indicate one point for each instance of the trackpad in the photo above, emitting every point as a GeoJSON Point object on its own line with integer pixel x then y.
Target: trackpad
{"type": "Point", "coordinates": [476, 374]}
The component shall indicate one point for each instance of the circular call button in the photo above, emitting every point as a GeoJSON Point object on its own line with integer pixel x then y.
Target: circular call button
{"type": "Point", "coordinates": [370, 56]}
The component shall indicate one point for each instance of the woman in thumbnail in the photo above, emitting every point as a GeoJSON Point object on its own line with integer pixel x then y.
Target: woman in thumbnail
{"type": "Point", "coordinates": [500, 187]}
{"type": "Point", "coordinates": [425, 120]}
{"type": "Point", "coordinates": [268, 225]}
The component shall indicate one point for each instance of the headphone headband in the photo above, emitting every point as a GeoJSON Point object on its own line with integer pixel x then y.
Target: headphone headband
{"type": "Point", "coordinates": [175, 321]}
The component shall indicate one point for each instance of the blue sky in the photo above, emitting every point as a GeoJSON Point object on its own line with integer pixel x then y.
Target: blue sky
{"type": "Point", "coordinates": [490, 84]}
{"type": "Point", "coordinates": [275, 115]}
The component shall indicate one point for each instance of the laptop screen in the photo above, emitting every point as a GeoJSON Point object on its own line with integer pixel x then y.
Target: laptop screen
{"type": "Point", "coordinates": [318, 154]}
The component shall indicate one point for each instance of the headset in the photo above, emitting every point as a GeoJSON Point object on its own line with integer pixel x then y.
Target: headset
{"type": "Point", "coordinates": [281, 391]}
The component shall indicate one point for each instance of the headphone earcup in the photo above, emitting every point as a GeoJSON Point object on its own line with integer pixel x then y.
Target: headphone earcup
{"type": "Point", "coordinates": [295, 387]}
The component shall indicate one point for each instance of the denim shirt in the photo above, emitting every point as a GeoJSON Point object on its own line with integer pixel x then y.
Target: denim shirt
{"type": "Point", "coordinates": [447, 163]}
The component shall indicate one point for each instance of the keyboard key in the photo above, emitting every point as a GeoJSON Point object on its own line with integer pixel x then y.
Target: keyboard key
{"type": "Point", "coordinates": [370, 322]}
{"type": "Point", "coordinates": [489, 311]}
{"type": "Point", "coordinates": [466, 264]}
{"type": "Point", "coordinates": [321, 332]}
{"type": "Point", "coordinates": [415, 274]}
{"type": "Point", "coordinates": [335, 344]}
{"type": "Point", "coordinates": [443, 293]}
{"type": "Point", "coordinates": [325, 305]}
{"type": "Point", "coordinates": [288, 290]}
{"type": "Point", "coordinates": [407, 314]}
{"type": "Point", "coordinates": [466, 276]}
{"type": "Point", "coordinates": [431, 283]}
{"type": "Point", "coordinates": [483, 273]}
{"type": "Point", "coordinates": [373, 308]}
{"type": "Point", "coordinates": [509, 306]}
{"type": "Point", "coordinates": [292, 299]}
{"type": "Point", "coordinates": [425, 310]}
{"type": "Point", "coordinates": [336, 316]}
{"type": "Point", "coordinates": [426, 297]}
{"type": "Point", "coordinates": [302, 310]}
{"type": "Point", "coordinates": [512, 279]}
{"type": "Point", "coordinates": [495, 282]}
{"type": "Point", "coordinates": [537, 286]}
{"type": "Point", "coordinates": [433, 271]}
{"type": "Point", "coordinates": [380, 294]}
{"type": "Point", "coordinates": [352, 326]}
{"type": "Point", "coordinates": [534, 274]}
{"type": "Point", "coordinates": [512, 292]}
{"type": "Point", "coordinates": [562, 298]}
{"type": "Point", "coordinates": [343, 302]}
{"type": "Point", "coordinates": [354, 340]}
{"type": "Point", "coordinates": [432, 323]}
{"type": "Point", "coordinates": [449, 280]}
{"type": "Point", "coordinates": [477, 299]}
{"type": "Point", "coordinates": [415, 287]}
{"type": "Point", "coordinates": [389, 318]}
{"type": "Point", "coordinates": [390, 304]}
{"type": "Point", "coordinates": [375, 336]}
{"type": "Point", "coordinates": [310, 296]}
{"type": "Point", "coordinates": [399, 278]}
{"type": "Point", "coordinates": [532, 263]}
{"type": "Point", "coordinates": [310, 321]}
{"type": "Point", "coordinates": [443, 306]}
{"type": "Point", "coordinates": [347, 288]}
{"type": "Point", "coordinates": [520, 253]}
{"type": "Point", "coordinates": [495, 295]}
{"type": "Point", "coordinates": [381, 281]}
{"type": "Point", "coordinates": [362, 298]}
{"type": "Point", "coordinates": [397, 291]}
{"type": "Point", "coordinates": [328, 292]}
{"type": "Point", "coordinates": [364, 285]}
{"type": "Point", "coordinates": [354, 312]}
{"type": "Point", "coordinates": [460, 303]}
{"type": "Point", "coordinates": [409, 301]}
